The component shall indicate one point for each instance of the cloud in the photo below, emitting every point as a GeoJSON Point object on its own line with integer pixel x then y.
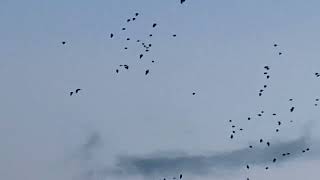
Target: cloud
{"type": "Point", "coordinates": [211, 163]}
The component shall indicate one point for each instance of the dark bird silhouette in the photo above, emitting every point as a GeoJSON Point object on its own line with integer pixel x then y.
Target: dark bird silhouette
{"type": "Point", "coordinates": [133, 19]}
{"type": "Point", "coordinates": [141, 55]}
{"type": "Point", "coordinates": [307, 149]}
{"type": "Point", "coordinates": [265, 73]}
{"type": "Point", "coordinates": [154, 25]}
{"type": "Point", "coordinates": [248, 167]}
{"type": "Point", "coordinates": [147, 72]}
{"type": "Point", "coordinates": [128, 20]}
{"type": "Point", "coordinates": [261, 140]}
{"type": "Point", "coordinates": [290, 99]}
{"type": "Point", "coordinates": [193, 93]}
{"type": "Point", "coordinates": [150, 45]}
{"type": "Point", "coordinates": [174, 35]}
{"type": "Point", "coordinates": [126, 66]}
{"type": "Point", "coordinates": [77, 90]}
{"type": "Point", "coordinates": [268, 77]}
{"type": "Point", "coordinates": [111, 35]}
{"type": "Point", "coordinates": [283, 154]}
{"type": "Point", "coordinates": [267, 67]}
{"type": "Point", "coordinates": [274, 114]}
{"type": "Point", "coordinates": [265, 86]}
{"type": "Point", "coordinates": [117, 71]}
{"type": "Point", "coordinates": [71, 93]}
{"type": "Point", "coordinates": [231, 137]}
{"type": "Point", "coordinates": [279, 123]}
{"type": "Point", "coordinates": [123, 29]}
{"type": "Point", "coordinates": [137, 14]}
{"type": "Point", "coordinates": [125, 47]}
{"type": "Point", "coordinates": [233, 126]}
{"type": "Point", "coordinates": [275, 45]}
{"type": "Point", "coordinates": [152, 61]}
{"type": "Point", "coordinates": [280, 53]}
{"type": "Point", "coordinates": [267, 168]}
{"type": "Point", "coordinates": [138, 40]}
{"type": "Point", "coordinates": [233, 132]}
{"type": "Point", "coordinates": [150, 35]}
{"type": "Point", "coordinates": [274, 160]}
{"type": "Point", "coordinates": [288, 154]}
{"type": "Point", "coordinates": [63, 42]}
{"type": "Point", "coordinates": [128, 39]}
{"type": "Point", "coordinates": [240, 129]}
{"type": "Point", "coordinates": [249, 118]}
{"type": "Point", "coordinates": [277, 130]}
{"type": "Point", "coordinates": [250, 147]}
{"type": "Point", "coordinates": [260, 94]}
{"type": "Point", "coordinates": [259, 114]}
{"type": "Point", "coordinates": [180, 176]}
{"type": "Point", "coordinates": [292, 109]}
{"type": "Point", "coordinates": [182, 1]}
{"type": "Point", "coordinates": [303, 151]}
{"type": "Point", "coordinates": [268, 143]}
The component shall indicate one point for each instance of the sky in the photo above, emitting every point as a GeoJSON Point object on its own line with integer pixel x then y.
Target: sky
{"type": "Point", "coordinates": [132, 126]}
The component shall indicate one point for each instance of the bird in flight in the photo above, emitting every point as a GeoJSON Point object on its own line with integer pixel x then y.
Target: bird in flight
{"type": "Point", "coordinates": [292, 108]}
{"type": "Point", "coordinates": [182, 1]}
{"type": "Point", "coordinates": [71, 93]}
{"type": "Point", "coordinates": [77, 90]}
{"type": "Point", "coordinates": [154, 25]}
{"type": "Point", "coordinates": [111, 35]}
{"type": "Point", "coordinates": [147, 72]}
{"type": "Point", "coordinates": [180, 176]}
{"type": "Point", "coordinates": [63, 42]}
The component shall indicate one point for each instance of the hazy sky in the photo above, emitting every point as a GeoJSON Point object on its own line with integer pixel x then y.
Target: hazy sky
{"type": "Point", "coordinates": [132, 126]}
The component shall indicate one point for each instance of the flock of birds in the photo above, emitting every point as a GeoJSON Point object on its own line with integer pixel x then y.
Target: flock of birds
{"type": "Point", "coordinates": [147, 47]}
{"type": "Point", "coordinates": [278, 124]}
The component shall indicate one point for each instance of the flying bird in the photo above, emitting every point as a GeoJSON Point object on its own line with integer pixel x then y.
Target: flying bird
{"type": "Point", "coordinates": [71, 93]}
{"type": "Point", "coordinates": [292, 108]}
{"type": "Point", "coordinates": [180, 176]}
{"type": "Point", "coordinates": [154, 25]}
{"type": "Point", "coordinates": [63, 42]}
{"type": "Point", "coordinates": [182, 1]}
{"type": "Point", "coordinates": [77, 90]}
{"type": "Point", "coordinates": [111, 35]}
{"type": "Point", "coordinates": [194, 93]}
{"type": "Point", "coordinates": [147, 72]}
{"type": "Point", "coordinates": [141, 55]}
{"type": "Point", "coordinates": [117, 71]}
{"type": "Point", "coordinates": [274, 160]}
{"type": "Point", "coordinates": [261, 140]}
{"type": "Point", "coordinates": [268, 143]}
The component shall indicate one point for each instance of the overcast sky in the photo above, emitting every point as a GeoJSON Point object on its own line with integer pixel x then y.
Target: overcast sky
{"type": "Point", "coordinates": [132, 126]}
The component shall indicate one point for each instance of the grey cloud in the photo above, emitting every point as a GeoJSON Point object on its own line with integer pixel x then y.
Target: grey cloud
{"type": "Point", "coordinates": [204, 164]}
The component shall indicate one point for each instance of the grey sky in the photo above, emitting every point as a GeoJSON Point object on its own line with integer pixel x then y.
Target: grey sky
{"type": "Point", "coordinates": [219, 53]}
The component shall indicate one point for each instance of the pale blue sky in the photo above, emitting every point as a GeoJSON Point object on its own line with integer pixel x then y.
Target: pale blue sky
{"type": "Point", "coordinates": [219, 52]}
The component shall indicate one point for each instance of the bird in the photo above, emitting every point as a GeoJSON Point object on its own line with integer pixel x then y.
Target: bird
{"type": "Point", "coordinates": [292, 108]}
{"type": "Point", "coordinates": [154, 25]}
{"type": "Point", "coordinates": [277, 130]}
{"type": "Point", "coordinates": [233, 132]}
{"type": "Point", "coordinates": [150, 45]}
{"type": "Point", "coordinates": [240, 129]}
{"type": "Point", "coordinates": [267, 168]}
{"type": "Point", "coordinates": [268, 77]}
{"type": "Point", "coordinates": [259, 114]}
{"type": "Point", "coordinates": [290, 99]}
{"type": "Point", "coordinates": [279, 123]}
{"type": "Point", "coordinates": [274, 160]}
{"type": "Point", "coordinates": [77, 90]}
{"type": "Point", "coordinates": [307, 149]}
{"type": "Point", "coordinates": [231, 136]}
{"type": "Point", "coordinates": [250, 146]}
{"type": "Point", "coordinates": [150, 35]}
{"type": "Point", "coordinates": [275, 45]}
{"type": "Point", "coordinates": [63, 42]}
{"type": "Point", "coordinates": [126, 66]}
{"type": "Point", "coordinates": [174, 35]}
{"type": "Point", "coordinates": [280, 53]}
{"type": "Point", "coordinates": [233, 126]}
{"type": "Point", "coordinates": [117, 70]}
{"type": "Point", "coordinates": [138, 40]}
{"type": "Point", "coordinates": [137, 14]}
{"type": "Point", "coordinates": [261, 140]}
{"type": "Point", "coordinates": [260, 94]}
{"type": "Point", "coordinates": [274, 114]}
{"type": "Point", "coordinates": [268, 143]}
{"type": "Point", "coordinates": [249, 118]}
{"type": "Point", "coordinates": [193, 93]}
{"type": "Point", "coordinates": [180, 176]}
{"type": "Point", "coordinates": [141, 55]}
{"type": "Point", "coordinates": [267, 67]}
{"type": "Point", "coordinates": [128, 39]}
{"type": "Point", "coordinates": [230, 120]}
{"type": "Point", "coordinates": [133, 19]}
{"type": "Point", "coordinates": [152, 61]}
{"type": "Point", "coordinates": [123, 29]}
{"type": "Point", "coordinates": [71, 93]}
{"type": "Point", "coordinates": [303, 151]}
{"type": "Point", "coordinates": [248, 167]}
{"type": "Point", "coordinates": [147, 72]}
{"type": "Point", "coordinates": [182, 1]}
{"type": "Point", "coordinates": [128, 20]}
{"type": "Point", "coordinates": [283, 154]}
{"type": "Point", "coordinates": [288, 154]}
{"type": "Point", "coordinates": [111, 35]}
{"type": "Point", "coordinates": [265, 86]}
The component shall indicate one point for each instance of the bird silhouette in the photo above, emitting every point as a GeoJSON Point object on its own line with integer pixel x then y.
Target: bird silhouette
{"type": "Point", "coordinates": [123, 29]}
{"type": "Point", "coordinates": [261, 140]}
{"type": "Point", "coordinates": [275, 45]}
{"type": "Point", "coordinates": [174, 35]}
{"type": "Point", "coordinates": [292, 109]}
{"type": "Point", "coordinates": [137, 14]}
{"type": "Point", "coordinates": [77, 90]}
{"type": "Point", "coordinates": [267, 67]}
{"type": "Point", "coordinates": [117, 70]}
{"type": "Point", "coordinates": [141, 55]}
{"type": "Point", "coordinates": [194, 93]}
{"type": "Point", "coordinates": [111, 35]}
{"type": "Point", "coordinates": [182, 1]}
{"type": "Point", "coordinates": [268, 143]}
{"type": "Point", "coordinates": [71, 93]}
{"type": "Point", "coordinates": [248, 167]}
{"type": "Point", "coordinates": [231, 136]}
{"type": "Point", "coordinates": [147, 72]}
{"type": "Point", "coordinates": [280, 53]}
{"type": "Point", "coordinates": [180, 176]}
{"type": "Point", "coordinates": [274, 160]}
{"type": "Point", "coordinates": [63, 42]}
{"type": "Point", "coordinates": [279, 123]}
{"type": "Point", "coordinates": [154, 25]}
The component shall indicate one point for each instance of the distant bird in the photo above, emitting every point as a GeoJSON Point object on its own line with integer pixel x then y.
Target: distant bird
{"type": "Point", "coordinates": [233, 126]}
{"type": "Point", "coordinates": [125, 47]}
{"type": "Point", "coordinates": [123, 29]}
{"type": "Point", "coordinates": [152, 61]}
{"type": "Point", "coordinates": [71, 93]}
{"type": "Point", "coordinates": [279, 123]}
{"type": "Point", "coordinates": [174, 35]}
{"type": "Point", "coordinates": [265, 86]}
{"type": "Point", "coordinates": [180, 176]}
{"type": "Point", "coordinates": [277, 130]}
{"type": "Point", "coordinates": [288, 154]}
{"type": "Point", "coordinates": [275, 45]}
{"type": "Point", "coordinates": [259, 114]}
{"type": "Point", "coordinates": [274, 114]}
{"type": "Point", "coordinates": [128, 20]}
{"type": "Point", "coordinates": [249, 118]}
{"type": "Point", "coordinates": [240, 129]}
{"type": "Point", "coordinates": [154, 25]}
{"type": "Point", "coordinates": [63, 42]}
{"type": "Point", "coordinates": [268, 77]}
{"type": "Point", "coordinates": [137, 14]}
{"type": "Point", "coordinates": [262, 112]}
{"type": "Point", "coordinates": [230, 120]}
{"type": "Point", "coordinates": [268, 143]}
{"type": "Point", "coordinates": [182, 1]}
{"type": "Point", "coordinates": [307, 149]}
{"type": "Point", "coordinates": [248, 167]}
{"type": "Point", "coordinates": [77, 90]}
{"type": "Point", "coordinates": [111, 35]}
{"type": "Point", "coordinates": [265, 73]}
{"type": "Point", "coordinates": [138, 40]}
{"type": "Point", "coordinates": [128, 39]}
{"type": "Point", "coordinates": [117, 71]}
{"type": "Point", "coordinates": [141, 55]}
{"type": "Point", "coordinates": [260, 94]}
{"type": "Point", "coordinates": [231, 136]}
{"type": "Point", "coordinates": [280, 53]}
{"type": "Point", "coordinates": [233, 132]}
{"type": "Point", "coordinates": [250, 146]}
{"type": "Point", "coordinates": [283, 154]}
{"type": "Point", "coordinates": [274, 160]}
{"type": "Point", "coordinates": [317, 99]}
{"type": "Point", "coordinates": [194, 93]}
{"type": "Point", "coordinates": [147, 72]}
{"type": "Point", "coordinates": [267, 67]}
{"type": "Point", "coordinates": [292, 108]}
{"type": "Point", "coordinates": [261, 140]}
{"type": "Point", "coordinates": [133, 19]}
{"type": "Point", "coordinates": [150, 45]}
{"type": "Point", "coordinates": [126, 66]}
{"type": "Point", "coordinates": [150, 35]}
{"type": "Point", "coordinates": [267, 168]}
{"type": "Point", "coordinates": [290, 99]}
{"type": "Point", "coordinates": [303, 151]}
